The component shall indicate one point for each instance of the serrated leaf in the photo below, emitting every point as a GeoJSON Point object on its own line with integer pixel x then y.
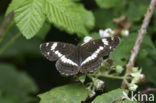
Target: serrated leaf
{"type": "Point", "coordinates": [13, 6]}
{"type": "Point", "coordinates": [29, 17]}
{"type": "Point", "coordinates": [110, 96]}
{"type": "Point", "coordinates": [62, 14]}
{"type": "Point", "coordinates": [109, 3]}
{"type": "Point", "coordinates": [72, 93]}
{"type": "Point", "coordinates": [121, 54]}
{"type": "Point", "coordinates": [14, 85]}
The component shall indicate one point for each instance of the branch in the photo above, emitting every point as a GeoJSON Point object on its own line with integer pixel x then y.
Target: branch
{"type": "Point", "coordinates": [6, 22]}
{"type": "Point", "coordinates": [140, 37]}
{"type": "Point", "coordinates": [148, 90]}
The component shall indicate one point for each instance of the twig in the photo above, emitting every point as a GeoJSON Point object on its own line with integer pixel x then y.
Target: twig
{"type": "Point", "coordinates": [5, 23]}
{"type": "Point", "coordinates": [148, 90]}
{"type": "Point", "coordinates": [107, 76]}
{"type": "Point", "coordinates": [140, 37]}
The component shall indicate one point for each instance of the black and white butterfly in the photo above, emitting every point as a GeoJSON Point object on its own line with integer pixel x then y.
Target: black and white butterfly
{"type": "Point", "coordinates": [73, 59]}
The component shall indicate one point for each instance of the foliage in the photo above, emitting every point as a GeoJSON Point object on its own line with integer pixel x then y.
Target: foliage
{"type": "Point", "coordinates": [33, 19]}
{"type": "Point", "coordinates": [30, 16]}
{"type": "Point", "coordinates": [110, 96]}
{"type": "Point", "coordinates": [121, 54]}
{"type": "Point", "coordinates": [110, 4]}
{"type": "Point", "coordinates": [72, 93]}
{"type": "Point", "coordinates": [15, 86]}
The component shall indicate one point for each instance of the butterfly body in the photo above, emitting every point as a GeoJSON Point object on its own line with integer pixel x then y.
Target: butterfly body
{"type": "Point", "coordinates": [84, 58]}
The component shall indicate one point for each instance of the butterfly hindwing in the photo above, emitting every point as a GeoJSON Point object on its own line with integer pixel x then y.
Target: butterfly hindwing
{"type": "Point", "coordinates": [54, 50]}
{"type": "Point", "coordinates": [69, 64]}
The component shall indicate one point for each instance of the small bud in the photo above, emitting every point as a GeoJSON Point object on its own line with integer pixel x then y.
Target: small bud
{"type": "Point", "coordinates": [82, 78]}
{"type": "Point", "coordinates": [119, 69]}
{"type": "Point", "coordinates": [134, 69]}
{"type": "Point", "coordinates": [99, 84]}
{"type": "Point", "coordinates": [125, 32]}
{"type": "Point", "coordinates": [142, 76]}
{"type": "Point", "coordinates": [133, 87]}
{"type": "Point", "coordinates": [87, 39]}
{"type": "Point", "coordinates": [136, 74]}
{"type": "Point", "coordinates": [91, 93]}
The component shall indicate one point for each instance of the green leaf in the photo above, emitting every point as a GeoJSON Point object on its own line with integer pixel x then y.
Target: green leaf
{"type": "Point", "coordinates": [110, 96]}
{"type": "Point", "coordinates": [15, 86]}
{"type": "Point", "coordinates": [86, 16]}
{"type": "Point", "coordinates": [44, 30]}
{"type": "Point", "coordinates": [103, 21]}
{"type": "Point", "coordinates": [140, 9]}
{"type": "Point", "coordinates": [29, 17]}
{"type": "Point", "coordinates": [15, 4]}
{"type": "Point", "coordinates": [62, 13]}
{"type": "Point", "coordinates": [127, 101]}
{"type": "Point", "coordinates": [121, 54]}
{"type": "Point", "coordinates": [109, 3]}
{"type": "Point", "coordinates": [72, 93]}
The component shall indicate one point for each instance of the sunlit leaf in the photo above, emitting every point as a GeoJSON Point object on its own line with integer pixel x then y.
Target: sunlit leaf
{"type": "Point", "coordinates": [29, 17]}
{"type": "Point", "coordinates": [73, 93]}
{"type": "Point", "coordinates": [110, 96]}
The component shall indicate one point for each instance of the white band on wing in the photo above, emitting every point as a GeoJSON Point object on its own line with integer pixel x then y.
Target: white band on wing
{"type": "Point", "coordinates": [93, 56]}
{"type": "Point", "coordinates": [68, 61]}
{"type": "Point", "coordinates": [53, 46]}
{"type": "Point", "coordinates": [105, 41]}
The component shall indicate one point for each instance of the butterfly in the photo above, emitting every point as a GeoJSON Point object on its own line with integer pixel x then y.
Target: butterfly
{"type": "Point", "coordinates": [72, 59]}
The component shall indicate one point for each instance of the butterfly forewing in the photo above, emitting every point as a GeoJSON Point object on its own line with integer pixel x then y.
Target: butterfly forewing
{"type": "Point", "coordinates": [54, 50]}
{"type": "Point", "coordinates": [106, 45]}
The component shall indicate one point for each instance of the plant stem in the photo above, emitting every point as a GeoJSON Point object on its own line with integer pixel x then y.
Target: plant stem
{"type": "Point", "coordinates": [6, 22]}
{"type": "Point", "coordinates": [139, 39]}
{"type": "Point", "coordinates": [2, 50]}
{"type": "Point", "coordinates": [111, 76]}
{"type": "Point", "coordinates": [6, 31]}
{"type": "Point", "coordinates": [107, 76]}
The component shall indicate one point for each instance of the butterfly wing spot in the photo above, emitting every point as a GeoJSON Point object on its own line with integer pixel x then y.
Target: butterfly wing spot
{"type": "Point", "coordinates": [93, 56]}
{"type": "Point", "coordinates": [112, 38]}
{"type": "Point", "coordinates": [105, 41]}
{"type": "Point", "coordinates": [47, 44]}
{"type": "Point", "coordinates": [110, 47]}
{"type": "Point", "coordinates": [68, 61]}
{"type": "Point", "coordinates": [54, 46]}
{"type": "Point", "coordinates": [58, 53]}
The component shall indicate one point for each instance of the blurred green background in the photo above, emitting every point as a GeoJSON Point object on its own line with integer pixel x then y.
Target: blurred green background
{"type": "Point", "coordinates": [24, 72]}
